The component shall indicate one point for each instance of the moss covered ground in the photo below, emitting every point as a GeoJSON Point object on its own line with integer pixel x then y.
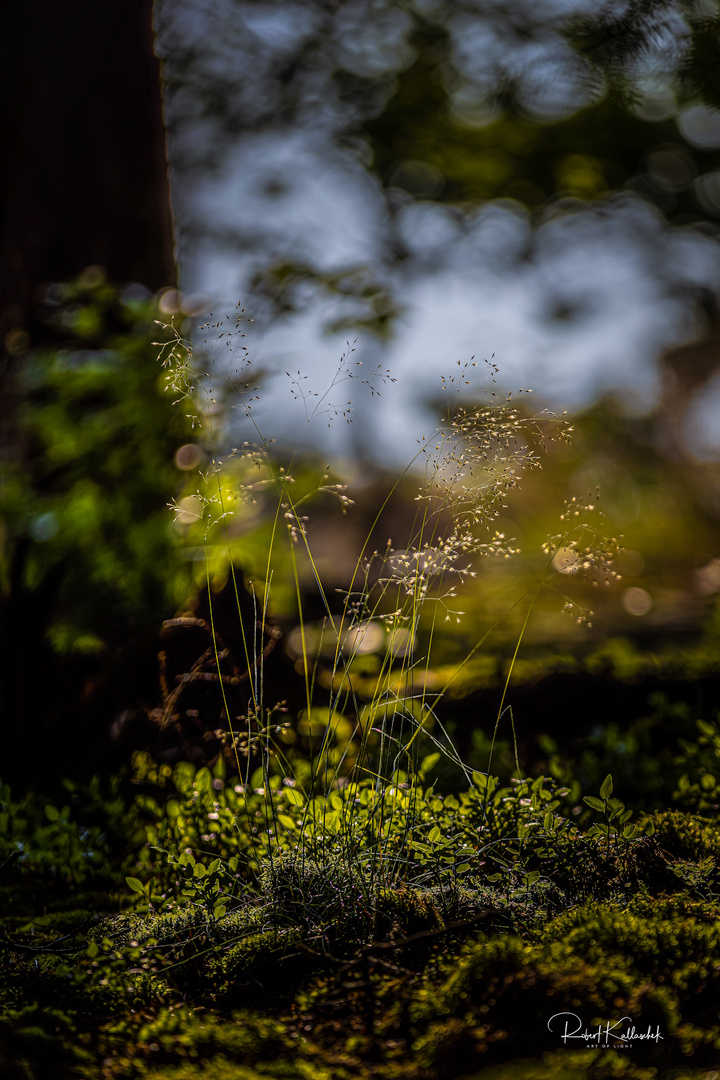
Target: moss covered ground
{"type": "Point", "coordinates": [149, 929]}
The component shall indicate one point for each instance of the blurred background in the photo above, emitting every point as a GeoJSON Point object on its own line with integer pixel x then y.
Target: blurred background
{"type": "Point", "coordinates": [537, 181]}
{"type": "Point", "coordinates": [429, 181]}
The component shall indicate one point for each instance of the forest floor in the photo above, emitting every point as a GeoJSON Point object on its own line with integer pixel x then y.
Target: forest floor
{"type": "Point", "coordinates": [589, 946]}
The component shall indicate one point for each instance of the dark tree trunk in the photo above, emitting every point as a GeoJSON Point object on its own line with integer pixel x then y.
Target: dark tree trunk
{"type": "Point", "coordinates": [83, 170]}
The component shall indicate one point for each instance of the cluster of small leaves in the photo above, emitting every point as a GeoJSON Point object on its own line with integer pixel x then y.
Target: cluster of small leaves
{"type": "Point", "coordinates": [215, 841]}
{"type": "Point", "coordinates": [699, 787]}
{"type": "Point", "coordinates": [616, 826]}
{"type": "Point", "coordinates": [37, 837]}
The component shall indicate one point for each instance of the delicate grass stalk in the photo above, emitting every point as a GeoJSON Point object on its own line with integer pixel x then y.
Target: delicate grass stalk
{"type": "Point", "coordinates": [470, 465]}
{"type": "Point", "coordinates": [518, 643]}
{"type": "Point", "coordinates": [219, 671]}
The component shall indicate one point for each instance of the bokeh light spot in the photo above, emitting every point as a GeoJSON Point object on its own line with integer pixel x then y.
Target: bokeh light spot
{"type": "Point", "coordinates": [169, 302]}
{"type": "Point", "coordinates": [419, 178]}
{"type": "Point", "coordinates": [188, 456]}
{"type": "Point", "coordinates": [707, 578]}
{"type": "Point", "coordinates": [190, 510]}
{"type": "Point", "coordinates": [637, 601]}
{"type": "Point", "coordinates": [44, 527]}
{"type": "Point", "coordinates": [17, 341]}
{"type": "Point", "coordinates": [700, 125]}
{"type": "Point", "coordinates": [401, 642]}
{"type": "Point", "coordinates": [367, 637]}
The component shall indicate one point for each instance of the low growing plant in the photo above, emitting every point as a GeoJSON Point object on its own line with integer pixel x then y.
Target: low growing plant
{"type": "Point", "coordinates": [345, 784]}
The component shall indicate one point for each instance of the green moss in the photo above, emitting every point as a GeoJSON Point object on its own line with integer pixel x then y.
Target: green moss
{"type": "Point", "coordinates": [572, 921]}
{"type": "Point", "coordinates": [262, 962]}
{"type": "Point", "coordinates": [591, 1064]}
{"type": "Point", "coordinates": [651, 940]}
{"type": "Point", "coordinates": [686, 836]}
{"type": "Point", "coordinates": [406, 911]}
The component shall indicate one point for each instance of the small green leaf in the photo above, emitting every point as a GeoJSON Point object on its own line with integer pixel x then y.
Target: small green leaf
{"type": "Point", "coordinates": [428, 764]}
{"type": "Point", "coordinates": [548, 821]}
{"type": "Point", "coordinates": [434, 835]}
{"type": "Point", "coordinates": [136, 885]}
{"type": "Point", "coordinates": [606, 788]}
{"type": "Point", "coordinates": [596, 804]}
{"type": "Point", "coordinates": [286, 821]}
{"type": "Point", "coordinates": [219, 910]}
{"type": "Point", "coordinates": [213, 866]}
{"type": "Point", "coordinates": [199, 870]}
{"type": "Point", "coordinates": [203, 780]}
{"type": "Point", "coordinates": [294, 797]}
{"type": "Point", "coordinates": [532, 877]}
{"type": "Point", "coordinates": [52, 813]}
{"type": "Point", "coordinates": [92, 950]}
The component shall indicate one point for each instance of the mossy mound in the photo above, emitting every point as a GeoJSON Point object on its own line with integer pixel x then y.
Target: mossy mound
{"type": "Point", "coordinates": [337, 967]}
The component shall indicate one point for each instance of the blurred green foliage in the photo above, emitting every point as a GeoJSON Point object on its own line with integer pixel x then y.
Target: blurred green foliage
{"type": "Point", "coordinates": [89, 561]}
{"type": "Point", "coordinates": [502, 144]}
{"type": "Point", "coordinates": [39, 840]}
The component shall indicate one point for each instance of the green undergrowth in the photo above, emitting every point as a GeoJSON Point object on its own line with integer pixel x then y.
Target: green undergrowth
{"type": "Point", "coordinates": [377, 931]}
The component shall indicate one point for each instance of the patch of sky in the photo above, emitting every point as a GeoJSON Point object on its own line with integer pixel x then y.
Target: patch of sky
{"type": "Point", "coordinates": [294, 195]}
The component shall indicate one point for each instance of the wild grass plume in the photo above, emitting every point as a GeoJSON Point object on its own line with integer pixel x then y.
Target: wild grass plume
{"type": "Point", "coordinates": [344, 776]}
